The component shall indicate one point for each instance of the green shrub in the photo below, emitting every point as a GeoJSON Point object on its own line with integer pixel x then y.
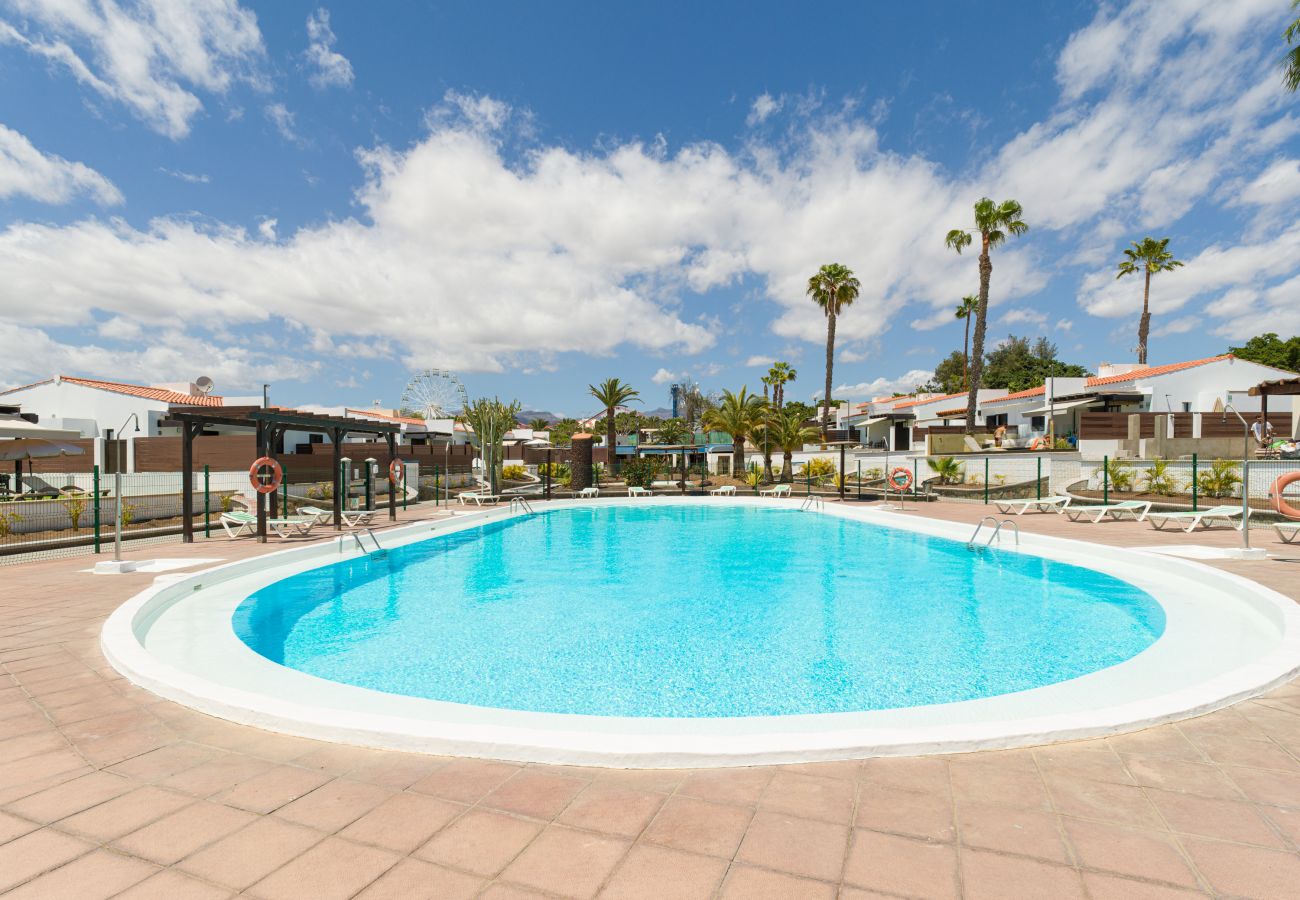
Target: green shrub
{"type": "Point", "coordinates": [819, 467]}
{"type": "Point", "coordinates": [948, 469]}
{"type": "Point", "coordinates": [1221, 479]}
{"type": "Point", "coordinates": [641, 471]}
{"type": "Point", "coordinates": [76, 507]}
{"type": "Point", "coordinates": [514, 473]}
{"type": "Point", "coordinates": [1160, 480]}
{"type": "Point", "coordinates": [559, 472]}
{"type": "Point", "coordinates": [1121, 475]}
{"type": "Point", "coordinates": [7, 522]}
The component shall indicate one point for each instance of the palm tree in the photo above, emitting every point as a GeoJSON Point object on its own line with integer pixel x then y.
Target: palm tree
{"type": "Point", "coordinates": [833, 288]}
{"type": "Point", "coordinates": [765, 425]}
{"type": "Point", "coordinates": [539, 424]}
{"type": "Point", "coordinates": [739, 415]}
{"type": "Point", "coordinates": [1148, 256]}
{"type": "Point", "coordinates": [993, 222]}
{"type": "Point", "coordinates": [964, 311]}
{"type": "Point", "coordinates": [790, 434]}
{"type": "Point", "coordinates": [612, 394]}
{"type": "Point", "coordinates": [779, 376]}
{"type": "Point", "coordinates": [1291, 62]}
{"type": "Point", "coordinates": [489, 420]}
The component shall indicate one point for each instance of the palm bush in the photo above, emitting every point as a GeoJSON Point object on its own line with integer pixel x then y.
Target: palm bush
{"type": "Point", "coordinates": [739, 415]}
{"type": "Point", "coordinates": [1121, 474]}
{"type": "Point", "coordinates": [819, 468]}
{"type": "Point", "coordinates": [1160, 480]}
{"type": "Point", "coordinates": [949, 470]}
{"type": "Point", "coordinates": [789, 432]}
{"type": "Point", "coordinates": [514, 473]}
{"type": "Point", "coordinates": [1221, 479]}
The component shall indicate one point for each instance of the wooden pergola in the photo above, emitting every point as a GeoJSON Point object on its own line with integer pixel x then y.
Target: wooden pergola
{"type": "Point", "coordinates": [270, 425]}
{"type": "Point", "coordinates": [1283, 387]}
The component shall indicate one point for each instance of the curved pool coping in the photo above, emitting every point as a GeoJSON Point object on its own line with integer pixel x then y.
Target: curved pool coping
{"type": "Point", "coordinates": [1098, 704]}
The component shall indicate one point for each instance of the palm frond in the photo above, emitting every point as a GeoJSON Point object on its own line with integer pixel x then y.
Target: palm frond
{"type": "Point", "coordinates": [957, 239]}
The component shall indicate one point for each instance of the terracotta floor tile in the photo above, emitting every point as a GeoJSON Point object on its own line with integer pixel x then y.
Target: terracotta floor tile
{"type": "Point", "coordinates": [739, 786]}
{"type": "Point", "coordinates": [658, 873]}
{"type": "Point", "coordinates": [1128, 851]}
{"type": "Point", "coordinates": [1080, 762]}
{"type": "Point", "coordinates": [566, 861]}
{"type": "Point", "coordinates": [32, 854]}
{"type": "Point", "coordinates": [899, 865]}
{"type": "Point", "coordinates": [1245, 871]}
{"type": "Point", "coordinates": [123, 745]}
{"type": "Point", "coordinates": [1251, 754]}
{"type": "Point", "coordinates": [334, 804]}
{"type": "Point", "coordinates": [797, 846]}
{"type": "Point", "coordinates": [534, 793]}
{"type": "Point", "coordinates": [619, 811]}
{"type": "Point", "coordinates": [252, 853]}
{"type": "Point", "coordinates": [96, 876]}
{"type": "Point", "coordinates": [218, 774]}
{"type": "Point", "coordinates": [1120, 803]}
{"type": "Point", "coordinates": [748, 883]}
{"type": "Point", "coordinates": [31, 744]}
{"type": "Point", "coordinates": [989, 876]}
{"type": "Point", "coordinates": [827, 799]}
{"type": "Point", "coordinates": [498, 891]}
{"type": "Point", "coordinates": [1274, 788]}
{"type": "Point", "coordinates": [698, 826]}
{"type": "Point", "coordinates": [334, 869]}
{"type": "Point", "coordinates": [412, 879]}
{"type": "Point", "coordinates": [1112, 887]}
{"type": "Point", "coordinates": [403, 822]}
{"type": "Point", "coordinates": [157, 764]}
{"type": "Point", "coordinates": [1286, 820]}
{"type": "Point", "coordinates": [904, 812]}
{"type": "Point", "coordinates": [126, 813]}
{"type": "Point", "coordinates": [272, 789]}
{"type": "Point", "coordinates": [395, 771]}
{"type": "Point", "coordinates": [1229, 820]}
{"type": "Point", "coordinates": [848, 769]}
{"type": "Point", "coordinates": [172, 885]}
{"type": "Point", "coordinates": [926, 774]}
{"type": "Point", "coordinates": [20, 772]}
{"type": "Point", "coordinates": [481, 842]}
{"type": "Point", "coordinates": [466, 780]}
{"type": "Point", "coordinates": [1182, 775]}
{"type": "Point", "coordinates": [975, 783]}
{"type": "Point", "coordinates": [12, 827]}
{"type": "Point", "coordinates": [1024, 831]}
{"type": "Point", "coordinates": [658, 781]}
{"type": "Point", "coordinates": [1165, 740]}
{"type": "Point", "coordinates": [71, 797]}
{"type": "Point", "coordinates": [176, 836]}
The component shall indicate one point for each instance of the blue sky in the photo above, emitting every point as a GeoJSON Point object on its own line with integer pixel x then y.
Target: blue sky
{"type": "Point", "coordinates": [538, 196]}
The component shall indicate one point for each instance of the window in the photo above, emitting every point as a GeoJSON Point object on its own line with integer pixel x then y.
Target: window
{"type": "Point", "coordinates": [1187, 406]}
{"type": "Point", "coordinates": [996, 421]}
{"type": "Point", "coordinates": [1038, 423]}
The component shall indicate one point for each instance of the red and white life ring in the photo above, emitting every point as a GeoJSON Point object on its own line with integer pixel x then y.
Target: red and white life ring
{"type": "Point", "coordinates": [396, 472]}
{"type": "Point", "coordinates": [1038, 444]}
{"type": "Point", "coordinates": [255, 475]}
{"type": "Point", "coordinates": [1280, 506]}
{"type": "Point", "coordinates": [900, 479]}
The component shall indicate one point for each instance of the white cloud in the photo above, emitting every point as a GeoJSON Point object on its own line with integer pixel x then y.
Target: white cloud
{"type": "Point", "coordinates": [663, 376]}
{"type": "Point", "coordinates": [190, 177]}
{"type": "Point", "coordinates": [266, 228]}
{"type": "Point", "coordinates": [882, 387]}
{"type": "Point", "coordinates": [760, 360]}
{"type": "Point", "coordinates": [1279, 183]}
{"type": "Point", "coordinates": [26, 171]}
{"type": "Point", "coordinates": [330, 68]}
{"type": "Point", "coordinates": [764, 106]}
{"type": "Point", "coordinates": [1063, 325]}
{"type": "Point", "coordinates": [284, 121]}
{"type": "Point", "coordinates": [1021, 314]}
{"type": "Point", "coordinates": [150, 55]}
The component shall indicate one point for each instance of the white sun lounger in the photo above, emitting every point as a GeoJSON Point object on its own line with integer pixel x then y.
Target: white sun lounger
{"type": "Point", "coordinates": [724, 490]}
{"type": "Point", "coordinates": [589, 492]}
{"type": "Point", "coordinates": [634, 491]}
{"type": "Point", "coordinates": [1045, 504]}
{"type": "Point", "coordinates": [1225, 515]}
{"type": "Point", "coordinates": [285, 528]}
{"type": "Point", "coordinates": [1285, 528]}
{"type": "Point", "coordinates": [350, 517]}
{"type": "Point", "coordinates": [777, 490]}
{"type": "Point", "coordinates": [1138, 509]}
{"type": "Point", "coordinates": [477, 497]}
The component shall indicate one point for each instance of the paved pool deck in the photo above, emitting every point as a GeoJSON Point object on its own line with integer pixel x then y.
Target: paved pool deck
{"type": "Point", "coordinates": [108, 791]}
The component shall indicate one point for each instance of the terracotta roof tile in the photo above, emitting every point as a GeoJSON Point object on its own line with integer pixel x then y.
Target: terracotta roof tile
{"type": "Point", "coordinates": [925, 400]}
{"type": "Point", "coordinates": [1123, 378]}
{"type": "Point", "coordinates": [405, 420]}
{"type": "Point", "coordinates": [175, 398]}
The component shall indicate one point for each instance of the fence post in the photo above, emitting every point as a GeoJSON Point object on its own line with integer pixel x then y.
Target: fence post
{"type": "Point", "coordinates": [808, 478]}
{"type": "Point", "coordinates": [370, 478]}
{"type": "Point", "coordinates": [986, 481]}
{"type": "Point", "coordinates": [1195, 481]}
{"type": "Point", "coordinates": [916, 475]}
{"type": "Point", "coordinates": [95, 478]}
{"type": "Point", "coordinates": [284, 503]}
{"type": "Point", "coordinates": [1038, 483]}
{"type": "Point", "coordinates": [207, 520]}
{"type": "Point", "coordinates": [1105, 479]}
{"type": "Point", "coordinates": [417, 481]}
{"type": "Point", "coordinates": [859, 479]}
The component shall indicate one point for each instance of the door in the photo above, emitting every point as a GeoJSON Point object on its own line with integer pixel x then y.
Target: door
{"type": "Point", "coordinates": [902, 436]}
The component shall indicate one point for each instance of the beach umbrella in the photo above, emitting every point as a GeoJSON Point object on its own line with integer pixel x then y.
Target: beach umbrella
{"type": "Point", "coordinates": [11, 451]}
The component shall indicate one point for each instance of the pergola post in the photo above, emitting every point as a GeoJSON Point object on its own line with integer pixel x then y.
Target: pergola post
{"type": "Point", "coordinates": [274, 496]}
{"type": "Point", "coordinates": [339, 481]}
{"type": "Point", "coordinates": [392, 482]}
{"type": "Point", "coordinates": [261, 498]}
{"type": "Point", "coordinates": [187, 482]}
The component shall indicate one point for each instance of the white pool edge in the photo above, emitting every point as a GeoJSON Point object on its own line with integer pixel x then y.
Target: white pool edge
{"type": "Point", "coordinates": [562, 739]}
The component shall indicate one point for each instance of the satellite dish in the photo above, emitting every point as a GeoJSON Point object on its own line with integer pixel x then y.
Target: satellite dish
{"type": "Point", "coordinates": [204, 384]}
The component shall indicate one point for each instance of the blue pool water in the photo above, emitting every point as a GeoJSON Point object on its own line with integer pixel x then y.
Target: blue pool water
{"type": "Point", "coordinates": [690, 610]}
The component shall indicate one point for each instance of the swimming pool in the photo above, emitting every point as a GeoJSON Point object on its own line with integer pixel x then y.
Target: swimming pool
{"type": "Point", "coordinates": [697, 611]}
{"type": "Point", "coordinates": [702, 632]}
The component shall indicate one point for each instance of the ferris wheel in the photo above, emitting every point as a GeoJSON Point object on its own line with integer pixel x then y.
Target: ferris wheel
{"type": "Point", "coordinates": [435, 394]}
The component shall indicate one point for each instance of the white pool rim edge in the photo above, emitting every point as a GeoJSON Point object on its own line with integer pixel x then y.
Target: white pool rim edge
{"type": "Point", "coordinates": [684, 743]}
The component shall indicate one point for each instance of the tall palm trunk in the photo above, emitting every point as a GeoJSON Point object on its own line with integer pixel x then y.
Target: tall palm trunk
{"type": "Point", "coordinates": [738, 455]}
{"type": "Point", "coordinates": [977, 345]}
{"type": "Point", "coordinates": [1144, 324]}
{"type": "Point", "coordinates": [830, 361]}
{"type": "Point", "coordinates": [767, 449]}
{"type": "Point", "coordinates": [611, 440]}
{"type": "Point", "coordinates": [965, 354]}
{"type": "Point", "coordinates": [787, 466]}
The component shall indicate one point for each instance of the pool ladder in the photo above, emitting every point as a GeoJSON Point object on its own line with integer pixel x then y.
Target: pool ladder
{"type": "Point", "coordinates": [521, 503]}
{"type": "Point", "coordinates": [997, 532]}
{"type": "Point", "coordinates": [378, 552]}
{"type": "Point", "coordinates": [812, 501]}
